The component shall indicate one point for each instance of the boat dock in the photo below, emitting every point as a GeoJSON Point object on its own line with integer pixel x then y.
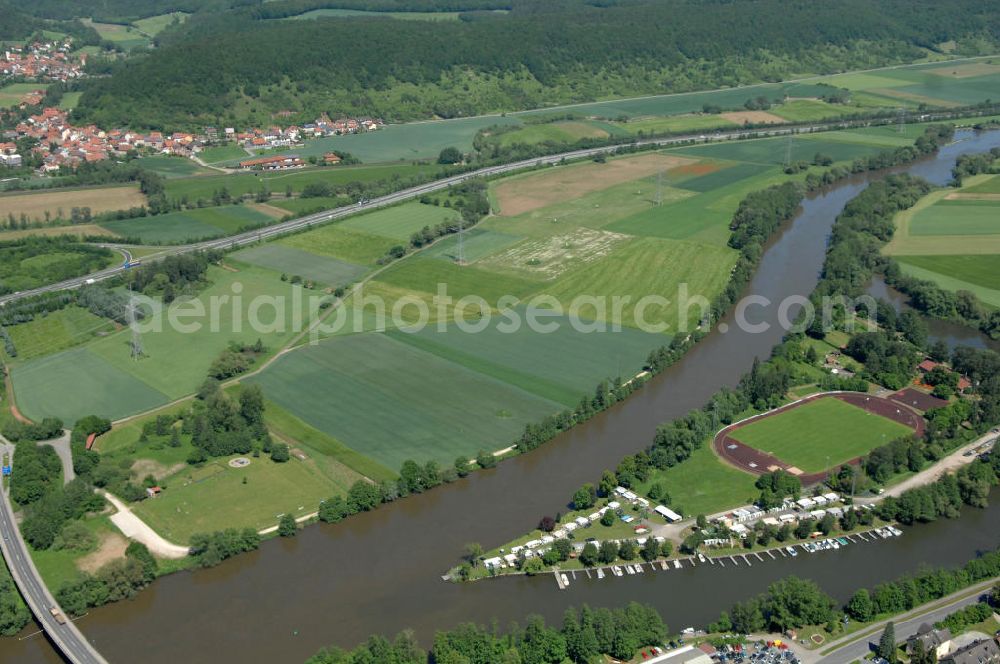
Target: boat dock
{"type": "Point", "coordinates": [786, 551]}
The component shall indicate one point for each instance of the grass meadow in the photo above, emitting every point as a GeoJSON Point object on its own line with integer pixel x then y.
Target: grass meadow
{"type": "Point", "coordinates": [237, 184]}
{"type": "Point", "coordinates": [978, 274]}
{"type": "Point", "coordinates": [704, 484]}
{"type": "Point", "coordinates": [173, 167]}
{"type": "Point", "coordinates": [309, 266]}
{"type": "Point", "coordinates": [101, 377]}
{"type": "Point", "coordinates": [190, 225]}
{"type": "Point", "coordinates": [428, 408]}
{"type": "Point", "coordinates": [820, 434]}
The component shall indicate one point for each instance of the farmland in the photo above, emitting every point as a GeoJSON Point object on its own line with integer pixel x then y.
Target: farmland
{"type": "Point", "coordinates": [190, 225]}
{"type": "Point", "coordinates": [592, 229]}
{"type": "Point", "coordinates": [223, 153]}
{"type": "Point", "coordinates": [57, 331]}
{"type": "Point", "coordinates": [125, 37]}
{"type": "Point", "coordinates": [59, 204]}
{"type": "Point", "coordinates": [334, 385]}
{"type": "Point", "coordinates": [173, 167]}
{"type": "Point", "coordinates": [953, 239]}
{"type": "Point", "coordinates": [197, 188]}
{"type": "Point", "coordinates": [101, 377]}
{"type": "Point", "coordinates": [820, 434]}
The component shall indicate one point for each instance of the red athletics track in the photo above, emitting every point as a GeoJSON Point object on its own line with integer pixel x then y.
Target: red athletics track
{"type": "Point", "coordinates": [754, 461]}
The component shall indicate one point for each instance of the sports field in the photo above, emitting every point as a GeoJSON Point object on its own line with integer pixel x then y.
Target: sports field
{"type": "Point", "coordinates": [428, 408]}
{"type": "Point", "coordinates": [190, 225]}
{"type": "Point", "coordinates": [60, 203]}
{"type": "Point", "coordinates": [703, 484]}
{"type": "Point", "coordinates": [820, 434]}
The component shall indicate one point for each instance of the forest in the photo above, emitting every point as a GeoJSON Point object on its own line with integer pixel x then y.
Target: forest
{"type": "Point", "coordinates": [219, 64]}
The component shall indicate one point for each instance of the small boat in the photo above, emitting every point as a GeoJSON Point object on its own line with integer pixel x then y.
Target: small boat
{"type": "Point", "coordinates": [791, 551]}
{"type": "Point", "coordinates": [617, 571]}
{"type": "Point", "coordinates": [843, 541]}
{"type": "Point", "coordinates": [628, 568]}
{"type": "Point", "coordinates": [895, 531]}
{"type": "Point", "coordinates": [565, 579]}
{"type": "Point", "coordinates": [701, 557]}
{"type": "Point", "coordinates": [600, 573]}
{"type": "Point", "coordinates": [638, 569]}
{"type": "Point", "coordinates": [677, 564]}
{"type": "Point", "coordinates": [663, 565]}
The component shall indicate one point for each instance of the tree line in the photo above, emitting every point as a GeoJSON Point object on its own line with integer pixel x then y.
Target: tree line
{"type": "Point", "coordinates": [585, 635]}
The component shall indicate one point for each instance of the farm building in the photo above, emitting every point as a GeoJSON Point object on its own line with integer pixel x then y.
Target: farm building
{"type": "Point", "coordinates": [275, 163]}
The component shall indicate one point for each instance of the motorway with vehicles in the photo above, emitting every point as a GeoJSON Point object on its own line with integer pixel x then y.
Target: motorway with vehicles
{"type": "Point", "coordinates": [63, 633]}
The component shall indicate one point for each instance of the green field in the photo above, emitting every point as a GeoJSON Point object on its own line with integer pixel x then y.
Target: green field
{"type": "Point", "coordinates": [559, 366]}
{"type": "Point", "coordinates": [58, 567]}
{"type": "Point", "coordinates": [773, 151]}
{"type": "Point", "coordinates": [223, 153]}
{"type": "Point", "coordinates": [190, 502]}
{"type": "Point", "coordinates": [237, 184]}
{"type": "Point", "coordinates": [173, 167]}
{"type": "Point", "coordinates": [989, 186]}
{"type": "Point", "coordinates": [428, 408]}
{"type": "Point", "coordinates": [976, 273]}
{"type": "Point", "coordinates": [566, 131]}
{"type": "Point", "coordinates": [304, 206]}
{"type": "Point", "coordinates": [958, 218]}
{"type": "Point", "coordinates": [309, 266]}
{"type": "Point", "coordinates": [55, 331]}
{"type": "Point", "coordinates": [399, 222]}
{"type": "Point", "coordinates": [125, 37]}
{"type": "Point", "coordinates": [102, 378]}
{"type": "Point", "coordinates": [703, 484]}
{"type": "Point", "coordinates": [417, 140]}
{"type": "Point", "coordinates": [820, 434]}
{"type": "Point", "coordinates": [636, 270]}
{"type": "Point", "coordinates": [809, 110]}
{"type": "Point", "coordinates": [337, 242]}
{"type": "Point", "coordinates": [154, 25]}
{"type": "Point", "coordinates": [70, 100]}
{"type": "Point", "coordinates": [10, 94]}
{"type": "Point", "coordinates": [677, 123]}
{"type": "Point", "coordinates": [351, 13]}
{"type": "Point", "coordinates": [190, 225]}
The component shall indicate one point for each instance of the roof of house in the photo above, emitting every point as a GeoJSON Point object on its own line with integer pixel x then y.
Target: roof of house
{"type": "Point", "coordinates": [980, 652]}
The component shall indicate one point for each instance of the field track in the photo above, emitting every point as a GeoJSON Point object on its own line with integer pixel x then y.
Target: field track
{"type": "Point", "coordinates": [754, 461]}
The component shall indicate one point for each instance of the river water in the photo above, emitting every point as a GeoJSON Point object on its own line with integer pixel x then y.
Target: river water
{"type": "Point", "coordinates": [380, 571]}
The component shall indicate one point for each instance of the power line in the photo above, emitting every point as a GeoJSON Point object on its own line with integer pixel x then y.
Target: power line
{"type": "Point", "coordinates": [659, 189]}
{"type": "Point", "coordinates": [461, 243]}
{"type": "Point", "coordinates": [788, 149]}
{"type": "Point", "coordinates": [136, 344]}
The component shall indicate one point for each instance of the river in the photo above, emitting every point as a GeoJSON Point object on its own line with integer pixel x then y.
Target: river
{"type": "Point", "coordinates": [380, 571]}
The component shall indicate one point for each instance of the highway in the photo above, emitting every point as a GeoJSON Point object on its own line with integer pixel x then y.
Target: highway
{"type": "Point", "coordinates": [302, 223]}
{"type": "Point", "coordinates": [66, 637]}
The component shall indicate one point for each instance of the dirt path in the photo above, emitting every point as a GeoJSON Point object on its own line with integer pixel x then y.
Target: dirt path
{"type": "Point", "coordinates": [952, 462]}
{"type": "Point", "coordinates": [9, 388]}
{"type": "Point", "coordinates": [135, 528]}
